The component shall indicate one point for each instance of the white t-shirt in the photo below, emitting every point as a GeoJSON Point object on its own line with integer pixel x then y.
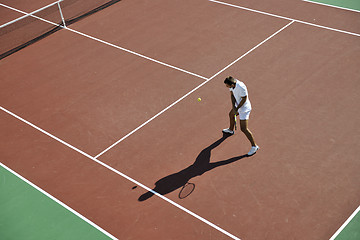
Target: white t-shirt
{"type": "Point", "coordinates": [240, 91]}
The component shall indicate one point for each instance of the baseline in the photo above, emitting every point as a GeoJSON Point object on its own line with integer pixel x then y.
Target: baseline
{"type": "Point", "coordinates": [282, 17]}
{"type": "Point", "coordinates": [329, 5]}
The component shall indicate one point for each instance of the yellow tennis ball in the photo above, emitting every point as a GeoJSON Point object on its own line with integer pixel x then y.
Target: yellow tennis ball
{"type": "Point", "coordinates": [199, 99]}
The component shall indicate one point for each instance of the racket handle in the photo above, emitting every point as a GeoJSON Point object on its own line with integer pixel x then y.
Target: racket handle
{"type": "Point", "coordinates": [235, 122]}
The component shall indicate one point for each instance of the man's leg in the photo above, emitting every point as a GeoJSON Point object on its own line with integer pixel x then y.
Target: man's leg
{"type": "Point", "coordinates": [247, 132]}
{"type": "Point", "coordinates": [232, 119]}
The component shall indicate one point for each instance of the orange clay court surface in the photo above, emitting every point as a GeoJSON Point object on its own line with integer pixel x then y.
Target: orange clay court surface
{"type": "Point", "coordinates": [92, 111]}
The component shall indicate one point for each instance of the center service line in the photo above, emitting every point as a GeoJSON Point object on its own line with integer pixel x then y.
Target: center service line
{"type": "Point", "coordinates": [196, 88]}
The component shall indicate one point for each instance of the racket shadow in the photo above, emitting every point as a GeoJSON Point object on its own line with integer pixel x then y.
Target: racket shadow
{"type": "Point", "coordinates": [201, 165]}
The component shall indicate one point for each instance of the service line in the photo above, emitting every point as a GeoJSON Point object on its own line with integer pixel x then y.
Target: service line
{"type": "Point", "coordinates": [101, 41]}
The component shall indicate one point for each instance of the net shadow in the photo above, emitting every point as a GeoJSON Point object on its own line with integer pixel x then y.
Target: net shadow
{"type": "Point", "coordinates": [26, 33]}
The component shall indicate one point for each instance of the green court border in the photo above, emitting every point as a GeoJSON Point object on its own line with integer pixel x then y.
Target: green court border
{"type": "Point", "coordinates": [351, 228]}
{"type": "Point", "coordinates": [345, 4]}
{"type": "Point", "coordinates": [29, 213]}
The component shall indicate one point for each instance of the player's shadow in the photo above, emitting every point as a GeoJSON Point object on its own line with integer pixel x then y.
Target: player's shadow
{"type": "Point", "coordinates": [200, 166]}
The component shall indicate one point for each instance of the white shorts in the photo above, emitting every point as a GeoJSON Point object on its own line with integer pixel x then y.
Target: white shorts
{"type": "Point", "coordinates": [244, 115]}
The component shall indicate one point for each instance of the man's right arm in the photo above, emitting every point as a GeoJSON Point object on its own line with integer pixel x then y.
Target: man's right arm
{"type": "Point", "coordinates": [233, 101]}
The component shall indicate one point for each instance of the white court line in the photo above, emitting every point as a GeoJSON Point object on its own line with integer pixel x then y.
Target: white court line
{"type": "Point", "coordinates": [107, 43]}
{"type": "Point", "coordinates": [252, 49]}
{"type": "Point", "coordinates": [124, 176]}
{"type": "Point", "coordinates": [58, 201]}
{"type": "Point", "coordinates": [145, 123]}
{"type": "Point", "coordinates": [328, 5]}
{"type": "Point", "coordinates": [134, 53]}
{"type": "Point", "coordinates": [27, 15]}
{"type": "Point", "coordinates": [294, 20]}
{"type": "Point", "coordinates": [196, 88]}
{"type": "Point", "coordinates": [129, 178]}
{"type": "Point", "coordinates": [345, 223]}
{"type": "Point", "coordinates": [286, 18]}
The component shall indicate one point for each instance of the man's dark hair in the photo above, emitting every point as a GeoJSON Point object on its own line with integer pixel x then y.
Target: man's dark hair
{"type": "Point", "coordinates": [230, 80]}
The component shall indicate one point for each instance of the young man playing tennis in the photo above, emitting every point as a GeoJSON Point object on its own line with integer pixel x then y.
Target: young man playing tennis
{"type": "Point", "coordinates": [240, 106]}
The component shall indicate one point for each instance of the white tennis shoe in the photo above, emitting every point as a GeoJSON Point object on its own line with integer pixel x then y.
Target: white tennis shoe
{"type": "Point", "coordinates": [228, 131]}
{"type": "Point", "coordinates": [253, 150]}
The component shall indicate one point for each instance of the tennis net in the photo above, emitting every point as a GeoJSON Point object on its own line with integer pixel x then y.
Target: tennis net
{"type": "Point", "coordinates": [32, 27]}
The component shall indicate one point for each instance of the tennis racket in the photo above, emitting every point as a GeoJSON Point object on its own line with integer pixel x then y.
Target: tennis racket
{"type": "Point", "coordinates": [186, 190]}
{"type": "Point", "coordinates": [235, 122]}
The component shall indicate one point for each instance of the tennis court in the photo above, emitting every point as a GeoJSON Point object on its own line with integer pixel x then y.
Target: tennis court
{"type": "Point", "coordinates": [101, 129]}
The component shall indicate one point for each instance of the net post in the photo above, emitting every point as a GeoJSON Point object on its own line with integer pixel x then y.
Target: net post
{"type": "Point", "coordinates": [61, 14]}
